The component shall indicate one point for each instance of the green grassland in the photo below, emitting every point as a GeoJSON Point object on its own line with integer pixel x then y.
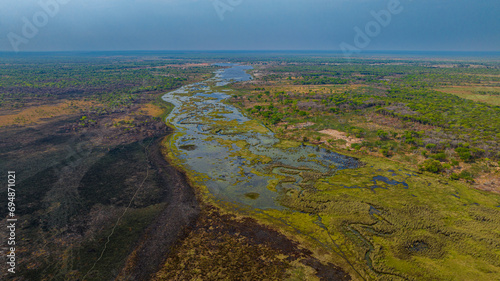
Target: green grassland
{"type": "Point", "coordinates": [425, 231]}
{"type": "Point", "coordinates": [383, 221]}
{"type": "Point", "coordinates": [489, 95]}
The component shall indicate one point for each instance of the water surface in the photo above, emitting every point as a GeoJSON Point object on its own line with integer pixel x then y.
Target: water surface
{"type": "Point", "coordinates": [237, 158]}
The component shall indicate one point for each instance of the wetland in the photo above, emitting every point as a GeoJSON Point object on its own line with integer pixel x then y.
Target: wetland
{"type": "Point", "coordinates": [239, 159]}
{"type": "Point", "coordinates": [376, 219]}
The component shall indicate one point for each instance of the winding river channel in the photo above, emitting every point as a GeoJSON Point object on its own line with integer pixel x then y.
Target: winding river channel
{"type": "Point", "coordinates": [238, 159]}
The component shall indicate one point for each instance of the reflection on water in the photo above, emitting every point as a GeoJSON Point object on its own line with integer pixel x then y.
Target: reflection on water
{"type": "Point", "coordinates": [239, 157]}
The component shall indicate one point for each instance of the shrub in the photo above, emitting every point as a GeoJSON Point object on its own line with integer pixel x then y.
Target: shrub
{"type": "Point", "coordinates": [439, 156]}
{"type": "Point", "coordinates": [466, 175]}
{"type": "Point", "coordinates": [430, 146]}
{"type": "Point", "coordinates": [431, 165]}
{"type": "Point", "coordinates": [382, 134]}
{"type": "Point", "coordinates": [356, 146]}
{"type": "Point", "coordinates": [464, 153]}
{"type": "Point", "coordinates": [386, 152]}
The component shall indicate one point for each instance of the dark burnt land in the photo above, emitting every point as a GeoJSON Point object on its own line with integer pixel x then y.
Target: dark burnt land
{"type": "Point", "coordinates": [73, 187]}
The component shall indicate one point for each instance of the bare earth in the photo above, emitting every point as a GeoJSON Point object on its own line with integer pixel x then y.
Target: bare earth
{"type": "Point", "coordinates": [341, 136]}
{"type": "Point", "coordinates": [301, 125]}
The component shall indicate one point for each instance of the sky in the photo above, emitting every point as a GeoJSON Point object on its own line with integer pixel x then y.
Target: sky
{"type": "Point", "coordinates": [353, 25]}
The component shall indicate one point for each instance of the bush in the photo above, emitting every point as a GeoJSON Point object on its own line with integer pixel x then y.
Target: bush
{"type": "Point", "coordinates": [356, 146]}
{"type": "Point", "coordinates": [386, 152]}
{"type": "Point", "coordinates": [382, 134]}
{"type": "Point", "coordinates": [430, 146]}
{"type": "Point", "coordinates": [466, 175]}
{"type": "Point", "coordinates": [439, 156]}
{"type": "Point", "coordinates": [431, 165]}
{"type": "Point", "coordinates": [464, 153]}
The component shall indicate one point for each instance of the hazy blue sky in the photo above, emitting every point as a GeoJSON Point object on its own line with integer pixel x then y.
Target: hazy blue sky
{"type": "Point", "coordinates": [459, 25]}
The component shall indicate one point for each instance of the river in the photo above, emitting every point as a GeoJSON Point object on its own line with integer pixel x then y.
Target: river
{"type": "Point", "coordinates": [238, 159]}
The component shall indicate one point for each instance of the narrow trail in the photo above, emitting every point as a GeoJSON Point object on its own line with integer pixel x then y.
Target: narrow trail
{"type": "Point", "coordinates": [181, 211]}
{"type": "Point", "coordinates": [108, 239]}
{"type": "Point", "coordinates": [340, 252]}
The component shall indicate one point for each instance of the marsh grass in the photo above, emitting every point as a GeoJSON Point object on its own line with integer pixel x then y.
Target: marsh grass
{"type": "Point", "coordinates": [421, 233]}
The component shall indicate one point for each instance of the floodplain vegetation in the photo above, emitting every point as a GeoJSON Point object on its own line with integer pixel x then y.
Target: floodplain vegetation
{"type": "Point", "coordinates": [424, 205]}
{"type": "Point", "coordinates": [428, 114]}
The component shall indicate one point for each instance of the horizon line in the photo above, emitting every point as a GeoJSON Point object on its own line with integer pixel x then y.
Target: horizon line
{"type": "Point", "coordinates": [255, 50]}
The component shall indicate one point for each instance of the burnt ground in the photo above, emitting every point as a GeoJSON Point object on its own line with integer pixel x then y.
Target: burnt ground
{"type": "Point", "coordinates": [75, 181]}
{"type": "Point", "coordinates": [182, 211]}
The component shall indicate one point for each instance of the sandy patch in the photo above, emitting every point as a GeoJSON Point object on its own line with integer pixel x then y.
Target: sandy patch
{"type": "Point", "coordinates": [122, 119]}
{"type": "Point", "coordinates": [301, 125]}
{"type": "Point", "coordinates": [488, 182]}
{"type": "Point", "coordinates": [337, 135]}
{"type": "Point", "coordinates": [151, 110]}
